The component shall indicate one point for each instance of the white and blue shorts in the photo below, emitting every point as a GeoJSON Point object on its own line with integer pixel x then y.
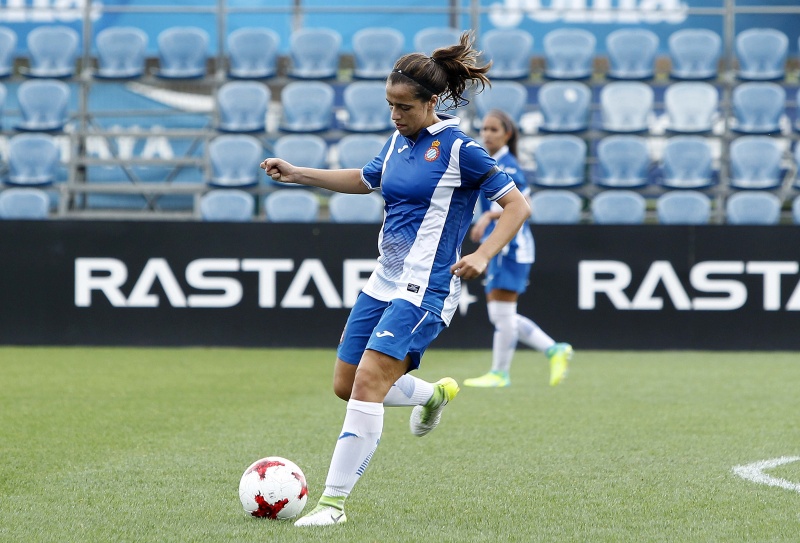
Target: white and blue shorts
{"type": "Point", "coordinates": [505, 273]}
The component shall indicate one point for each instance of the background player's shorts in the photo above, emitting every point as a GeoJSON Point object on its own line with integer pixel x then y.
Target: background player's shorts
{"type": "Point", "coordinates": [397, 328]}
{"type": "Point", "coordinates": [507, 274]}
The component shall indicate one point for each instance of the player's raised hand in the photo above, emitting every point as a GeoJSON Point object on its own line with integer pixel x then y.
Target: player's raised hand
{"type": "Point", "coordinates": [278, 170]}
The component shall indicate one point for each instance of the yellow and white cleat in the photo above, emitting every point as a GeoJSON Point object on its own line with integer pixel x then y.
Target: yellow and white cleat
{"type": "Point", "coordinates": [559, 356]}
{"type": "Point", "coordinates": [425, 418]}
{"type": "Point", "coordinates": [493, 379]}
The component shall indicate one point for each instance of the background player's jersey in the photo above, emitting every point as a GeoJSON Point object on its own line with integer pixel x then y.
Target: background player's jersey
{"type": "Point", "coordinates": [430, 188]}
{"type": "Point", "coordinates": [521, 248]}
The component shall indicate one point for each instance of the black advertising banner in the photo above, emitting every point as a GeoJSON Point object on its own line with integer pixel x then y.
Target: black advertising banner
{"type": "Point", "coordinates": [291, 285]}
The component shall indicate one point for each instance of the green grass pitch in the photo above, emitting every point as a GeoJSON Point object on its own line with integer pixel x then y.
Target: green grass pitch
{"type": "Point", "coordinates": [147, 445]}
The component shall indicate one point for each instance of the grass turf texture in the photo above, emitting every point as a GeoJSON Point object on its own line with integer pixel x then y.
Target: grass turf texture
{"type": "Point", "coordinates": [149, 444]}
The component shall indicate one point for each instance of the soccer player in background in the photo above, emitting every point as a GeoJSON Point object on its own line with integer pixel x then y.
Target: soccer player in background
{"type": "Point", "coordinates": [430, 174]}
{"type": "Point", "coordinates": [508, 272]}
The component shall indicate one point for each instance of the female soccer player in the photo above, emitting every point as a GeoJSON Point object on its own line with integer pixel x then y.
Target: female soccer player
{"type": "Point", "coordinates": [430, 174]}
{"type": "Point", "coordinates": [508, 272]}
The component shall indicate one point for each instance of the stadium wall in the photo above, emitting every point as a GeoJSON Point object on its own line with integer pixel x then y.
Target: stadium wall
{"type": "Point", "coordinates": [291, 285]}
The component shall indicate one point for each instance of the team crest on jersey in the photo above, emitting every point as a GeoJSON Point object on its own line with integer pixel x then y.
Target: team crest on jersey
{"type": "Point", "coordinates": [433, 151]}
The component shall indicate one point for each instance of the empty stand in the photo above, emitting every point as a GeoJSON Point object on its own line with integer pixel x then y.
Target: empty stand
{"type": "Point", "coordinates": [8, 46]}
{"type": "Point", "coordinates": [569, 53]}
{"type": "Point", "coordinates": [694, 53]}
{"type": "Point", "coordinates": [315, 53]}
{"type": "Point", "coordinates": [508, 96]}
{"type": "Point", "coordinates": [253, 53]}
{"type": "Point", "coordinates": [307, 106]}
{"type": "Point", "coordinates": [121, 52]}
{"type": "Point", "coordinates": [182, 52]}
{"type": "Point", "coordinates": [228, 205]}
{"type": "Point", "coordinates": [623, 162]}
{"type": "Point", "coordinates": [510, 50]}
{"type": "Point", "coordinates": [24, 203]}
{"type": "Point", "coordinates": [429, 39]}
{"type": "Point", "coordinates": [357, 150]}
{"type": "Point", "coordinates": [367, 110]}
{"type": "Point", "coordinates": [618, 207]}
{"type": "Point", "coordinates": [33, 160]}
{"type": "Point", "coordinates": [565, 106]}
{"type": "Point", "coordinates": [235, 161]}
{"type": "Point", "coordinates": [305, 150]}
{"type": "Point", "coordinates": [687, 163]}
{"type": "Point", "coordinates": [560, 162]}
{"type": "Point", "coordinates": [691, 107]}
{"type": "Point", "coordinates": [53, 50]}
{"type": "Point", "coordinates": [356, 208]}
{"type": "Point", "coordinates": [683, 207]}
{"type": "Point", "coordinates": [44, 104]}
{"type": "Point", "coordinates": [626, 106]}
{"type": "Point", "coordinates": [243, 106]}
{"type": "Point", "coordinates": [292, 205]}
{"type": "Point", "coordinates": [375, 50]}
{"type": "Point", "coordinates": [755, 163]}
{"type": "Point", "coordinates": [753, 207]}
{"type": "Point", "coordinates": [761, 53]}
{"type": "Point", "coordinates": [555, 206]}
{"type": "Point", "coordinates": [758, 108]}
{"type": "Point", "coordinates": [632, 53]}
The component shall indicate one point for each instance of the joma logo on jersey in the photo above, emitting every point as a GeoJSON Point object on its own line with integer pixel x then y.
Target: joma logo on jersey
{"type": "Point", "coordinates": [610, 278]}
{"type": "Point", "coordinates": [433, 151]}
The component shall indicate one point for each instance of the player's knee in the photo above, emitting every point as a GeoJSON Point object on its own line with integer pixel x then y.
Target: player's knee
{"type": "Point", "coordinates": [342, 392]}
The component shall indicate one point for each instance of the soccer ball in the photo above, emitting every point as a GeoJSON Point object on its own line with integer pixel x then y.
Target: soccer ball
{"type": "Point", "coordinates": [273, 488]}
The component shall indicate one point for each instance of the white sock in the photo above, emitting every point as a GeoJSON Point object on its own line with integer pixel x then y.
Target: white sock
{"type": "Point", "coordinates": [504, 343]}
{"type": "Point", "coordinates": [361, 433]}
{"type": "Point", "coordinates": [408, 391]}
{"type": "Point", "coordinates": [531, 335]}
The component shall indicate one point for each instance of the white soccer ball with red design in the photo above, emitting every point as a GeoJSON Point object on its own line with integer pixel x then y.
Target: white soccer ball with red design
{"type": "Point", "coordinates": [273, 488]}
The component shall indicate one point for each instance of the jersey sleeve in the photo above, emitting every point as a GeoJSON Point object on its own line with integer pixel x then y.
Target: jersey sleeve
{"type": "Point", "coordinates": [372, 173]}
{"type": "Point", "coordinates": [480, 171]}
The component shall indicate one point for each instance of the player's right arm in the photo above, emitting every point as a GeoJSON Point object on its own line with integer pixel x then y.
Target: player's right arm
{"type": "Point", "coordinates": [348, 181]}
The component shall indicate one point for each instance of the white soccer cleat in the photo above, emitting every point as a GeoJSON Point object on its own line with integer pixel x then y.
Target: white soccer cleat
{"type": "Point", "coordinates": [425, 418]}
{"type": "Point", "coordinates": [323, 515]}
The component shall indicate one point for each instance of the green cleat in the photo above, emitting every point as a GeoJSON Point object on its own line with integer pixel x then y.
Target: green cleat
{"type": "Point", "coordinates": [559, 356]}
{"type": "Point", "coordinates": [493, 379]}
{"type": "Point", "coordinates": [425, 418]}
{"type": "Point", "coordinates": [329, 511]}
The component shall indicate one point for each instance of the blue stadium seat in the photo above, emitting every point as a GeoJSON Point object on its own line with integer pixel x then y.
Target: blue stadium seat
{"type": "Point", "coordinates": [694, 53]}
{"type": "Point", "coordinates": [292, 205]}
{"type": "Point", "coordinates": [632, 53]}
{"type": "Point", "coordinates": [314, 53]}
{"type": "Point", "coordinates": [755, 163]}
{"type": "Point", "coordinates": [253, 53]}
{"type": "Point", "coordinates": [508, 96]}
{"type": "Point", "coordinates": [375, 50]}
{"type": "Point", "coordinates": [569, 53]}
{"type": "Point", "coordinates": [305, 150]}
{"type": "Point", "coordinates": [555, 206]}
{"type": "Point", "coordinates": [33, 160]}
{"type": "Point", "coordinates": [753, 207]}
{"type": "Point", "coordinates": [796, 210]}
{"type": "Point", "coordinates": [121, 52]}
{"type": "Point", "coordinates": [243, 106]}
{"type": "Point", "coordinates": [683, 207]}
{"type": "Point", "coordinates": [228, 205]}
{"type": "Point", "coordinates": [8, 50]}
{"type": "Point", "coordinates": [44, 105]}
{"type": "Point", "coordinates": [24, 203]}
{"type": "Point", "coordinates": [687, 163]}
{"type": "Point", "coordinates": [626, 106]}
{"type": "Point", "coordinates": [691, 107]}
{"type": "Point", "coordinates": [565, 106]}
{"type": "Point", "coordinates": [235, 161]}
{"type": "Point", "coordinates": [758, 108]}
{"type": "Point", "coordinates": [182, 52]}
{"type": "Point", "coordinates": [510, 50]}
{"type": "Point", "coordinates": [357, 150]}
{"type": "Point", "coordinates": [431, 38]}
{"type": "Point", "coordinates": [762, 54]}
{"type": "Point", "coordinates": [356, 208]}
{"type": "Point", "coordinates": [797, 165]}
{"type": "Point", "coordinates": [560, 162]}
{"type": "Point", "coordinates": [307, 106]}
{"type": "Point", "coordinates": [618, 207]}
{"type": "Point", "coordinates": [623, 162]}
{"type": "Point", "coordinates": [3, 96]}
{"type": "Point", "coordinates": [367, 110]}
{"type": "Point", "coordinates": [53, 50]}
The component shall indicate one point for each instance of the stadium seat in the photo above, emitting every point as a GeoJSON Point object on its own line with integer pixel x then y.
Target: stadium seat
{"type": "Point", "coordinates": [253, 53]}
{"type": "Point", "coordinates": [121, 52]}
{"type": "Point", "coordinates": [694, 53]}
{"type": "Point", "coordinates": [44, 105]}
{"type": "Point", "coordinates": [758, 108]}
{"type": "Point", "coordinates": [761, 53]}
{"type": "Point", "coordinates": [618, 207]}
{"type": "Point", "coordinates": [626, 106]}
{"type": "Point", "coordinates": [755, 163]}
{"type": "Point", "coordinates": [33, 160]}
{"type": "Point", "coordinates": [797, 108]}
{"type": "Point", "coordinates": [687, 163]}
{"type": "Point", "coordinates": [182, 52]}
{"type": "Point", "coordinates": [569, 53]}
{"type": "Point", "coordinates": [3, 96]}
{"type": "Point", "coordinates": [305, 150]}
{"type": "Point", "coordinates": [632, 53]}
{"type": "Point", "coordinates": [367, 110]}
{"type": "Point", "coordinates": [565, 106]}
{"type": "Point", "coordinates": [307, 106]}
{"type": "Point", "coordinates": [683, 207]}
{"type": "Point", "coordinates": [357, 150]}
{"type": "Point", "coordinates": [24, 203]}
{"type": "Point", "coordinates": [356, 208]}
{"type": "Point", "coordinates": [314, 53]}
{"type": "Point", "coordinates": [691, 107]}
{"type": "Point", "coordinates": [235, 161]}
{"type": "Point", "coordinates": [753, 207]}
{"type": "Point", "coordinates": [560, 162]}
{"type": "Point", "coordinates": [510, 50]}
{"type": "Point", "coordinates": [53, 50]}
{"type": "Point", "coordinates": [508, 96]}
{"type": "Point", "coordinates": [623, 162]}
{"type": "Point", "coordinates": [229, 205]}
{"type": "Point", "coordinates": [429, 39]}
{"type": "Point", "coordinates": [8, 49]}
{"type": "Point", "coordinates": [375, 50]}
{"type": "Point", "coordinates": [796, 210]}
{"type": "Point", "coordinates": [797, 165]}
{"type": "Point", "coordinates": [292, 205]}
{"type": "Point", "coordinates": [555, 206]}
{"type": "Point", "coordinates": [243, 106]}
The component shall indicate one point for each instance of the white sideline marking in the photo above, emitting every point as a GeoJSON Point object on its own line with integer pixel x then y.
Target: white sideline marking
{"type": "Point", "coordinates": [755, 472]}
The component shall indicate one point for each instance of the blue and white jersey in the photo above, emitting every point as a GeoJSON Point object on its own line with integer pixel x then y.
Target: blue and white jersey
{"type": "Point", "coordinates": [430, 187]}
{"type": "Point", "coordinates": [521, 248]}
